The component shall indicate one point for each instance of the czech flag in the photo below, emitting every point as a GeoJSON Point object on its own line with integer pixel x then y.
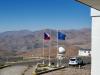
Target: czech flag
{"type": "Point", "coordinates": [46, 36]}
{"type": "Point", "coordinates": [61, 36]}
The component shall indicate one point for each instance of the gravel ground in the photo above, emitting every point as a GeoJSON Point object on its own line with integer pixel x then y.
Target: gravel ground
{"type": "Point", "coordinates": [66, 71]}
{"type": "Point", "coordinates": [70, 71]}
{"type": "Point", "coordinates": [19, 70]}
{"type": "Point", "coordinates": [29, 71]}
{"type": "Point", "coordinates": [13, 70]}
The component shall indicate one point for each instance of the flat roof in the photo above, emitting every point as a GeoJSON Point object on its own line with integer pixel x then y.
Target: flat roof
{"type": "Point", "coordinates": [82, 49]}
{"type": "Point", "coordinates": [91, 3]}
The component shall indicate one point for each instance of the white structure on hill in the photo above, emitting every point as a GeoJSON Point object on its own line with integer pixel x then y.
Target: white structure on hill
{"type": "Point", "coordinates": [84, 52]}
{"type": "Point", "coordinates": [60, 56]}
{"type": "Point", "coordinates": [61, 53]}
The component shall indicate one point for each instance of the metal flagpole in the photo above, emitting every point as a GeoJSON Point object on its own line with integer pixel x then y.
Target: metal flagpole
{"type": "Point", "coordinates": [57, 49]}
{"type": "Point", "coordinates": [49, 50]}
{"type": "Point", "coordinates": [43, 47]}
{"type": "Point", "coordinates": [60, 57]}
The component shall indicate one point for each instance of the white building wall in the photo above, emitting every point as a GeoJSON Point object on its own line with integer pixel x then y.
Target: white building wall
{"type": "Point", "coordinates": [84, 53]}
{"type": "Point", "coordinates": [95, 14]}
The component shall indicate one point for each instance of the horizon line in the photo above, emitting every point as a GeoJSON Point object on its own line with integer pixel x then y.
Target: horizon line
{"type": "Point", "coordinates": [46, 29]}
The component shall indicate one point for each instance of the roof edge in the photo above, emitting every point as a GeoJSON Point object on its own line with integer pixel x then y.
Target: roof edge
{"type": "Point", "coordinates": [86, 4]}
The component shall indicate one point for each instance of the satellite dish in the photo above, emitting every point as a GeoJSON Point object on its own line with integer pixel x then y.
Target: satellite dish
{"type": "Point", "coordinates": [61, 50]}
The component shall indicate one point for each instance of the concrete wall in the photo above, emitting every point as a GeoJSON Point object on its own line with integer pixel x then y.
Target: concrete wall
{"type": "Point", "coordinates": [95, 15]}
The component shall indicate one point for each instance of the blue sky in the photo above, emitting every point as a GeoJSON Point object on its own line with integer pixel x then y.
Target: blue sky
{"type": "Point", "coordinates": [40, 14]}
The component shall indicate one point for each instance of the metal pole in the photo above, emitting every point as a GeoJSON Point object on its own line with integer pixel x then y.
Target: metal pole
{"type": "Point", "coordinates": [57, 49]}
{"type": "Point", "coordinates": [43, 47]}
{"type": "Point", "coordinates": [50, 49]}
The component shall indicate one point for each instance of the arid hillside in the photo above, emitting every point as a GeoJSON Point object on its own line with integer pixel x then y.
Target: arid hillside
{"type": "Point", "coordinates": [26, 42]}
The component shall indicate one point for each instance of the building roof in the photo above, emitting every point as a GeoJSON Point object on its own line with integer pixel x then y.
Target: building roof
{"type": "Point", "coordinates": [82, 49]}
{"type": "Point", "coordinates": [92, 3]}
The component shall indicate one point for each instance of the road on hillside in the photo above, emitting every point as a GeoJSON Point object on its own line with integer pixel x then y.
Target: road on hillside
{"type": "Point", "coordinates": [13, 70]}
{"type": "Point", "coordinates": [18, 68]}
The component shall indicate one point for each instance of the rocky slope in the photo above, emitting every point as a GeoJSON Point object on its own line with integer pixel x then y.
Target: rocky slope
{"type": "Point", "coordinates": [25, 40]}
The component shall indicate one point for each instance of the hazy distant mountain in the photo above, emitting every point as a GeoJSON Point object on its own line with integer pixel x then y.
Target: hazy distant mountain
{"type": "Point", "coordinates": [27, 40]}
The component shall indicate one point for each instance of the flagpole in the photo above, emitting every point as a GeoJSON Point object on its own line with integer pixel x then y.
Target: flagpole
{"type": "Point", "coordinates": [60, 45]}
{"type": "Point", "coordinates": [57, 49]}
{"type": "Point", "coordinates": [43, 47]}
{"type": "Point", "coordinates": [49, 50]}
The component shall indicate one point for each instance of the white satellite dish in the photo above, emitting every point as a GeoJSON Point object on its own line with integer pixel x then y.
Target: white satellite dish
{"type": "Point", "coordinates": [61, 50]}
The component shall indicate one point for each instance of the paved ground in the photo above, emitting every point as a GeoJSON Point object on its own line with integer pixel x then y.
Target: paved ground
{"type": "Point", "coordinates": [14, 70]}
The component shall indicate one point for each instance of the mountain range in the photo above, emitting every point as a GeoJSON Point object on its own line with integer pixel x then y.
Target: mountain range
{"type": "Point", "coordinates": [25, 40]}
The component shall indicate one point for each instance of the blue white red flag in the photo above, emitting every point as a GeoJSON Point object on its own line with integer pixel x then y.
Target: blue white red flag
{"type": "Point", "coordinates": [46, 36]}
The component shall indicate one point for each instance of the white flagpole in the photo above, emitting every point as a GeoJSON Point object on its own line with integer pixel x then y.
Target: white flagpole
{"type": "Point", "coordinates": [57, 49]}
{"type": "Point", "coordinates": [43, 47]}
{"type": "Point", "coordinates": [49, 50]}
